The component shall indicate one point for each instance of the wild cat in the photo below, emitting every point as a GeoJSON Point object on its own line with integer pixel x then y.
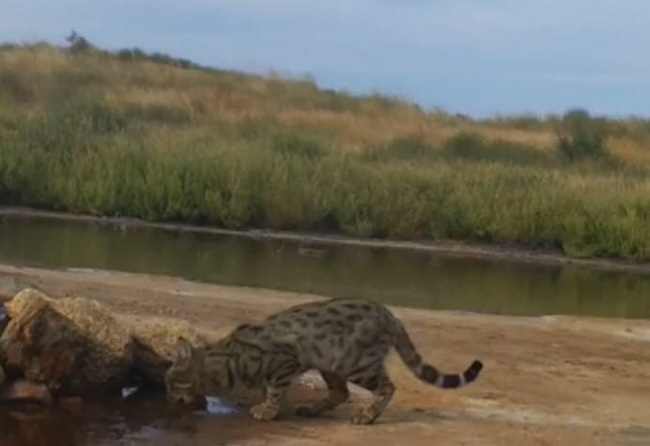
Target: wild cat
{"type": "Point", "coordinates": [347, 340]}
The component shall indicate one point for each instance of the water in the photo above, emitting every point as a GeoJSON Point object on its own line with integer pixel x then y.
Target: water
{"type": "Point", "coordinates": [136, 420]}
{"type": "Point", "coordinates": [394, 276]}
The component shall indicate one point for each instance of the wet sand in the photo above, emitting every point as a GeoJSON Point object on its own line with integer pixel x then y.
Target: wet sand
{"type": "Point", "coordinates": [547, 381]}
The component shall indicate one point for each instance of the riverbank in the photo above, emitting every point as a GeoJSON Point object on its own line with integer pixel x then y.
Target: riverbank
{"type": "Point", "coordinates": [552, 380]}
{"type": "Point", "coordinates": [150, 137]}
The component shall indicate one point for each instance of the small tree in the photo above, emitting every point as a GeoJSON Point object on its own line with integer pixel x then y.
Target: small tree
{"type": "Point", "coordinates": [580, 136]}
{"type": "Point", "coordinates": [78, 43]}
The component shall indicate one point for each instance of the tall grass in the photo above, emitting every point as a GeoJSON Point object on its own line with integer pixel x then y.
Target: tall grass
{"type": "Point", "coordinates": [115, 135]}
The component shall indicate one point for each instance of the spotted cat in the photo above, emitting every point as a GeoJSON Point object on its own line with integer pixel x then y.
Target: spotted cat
{"type": "Point", "coordinates": [345, 339]}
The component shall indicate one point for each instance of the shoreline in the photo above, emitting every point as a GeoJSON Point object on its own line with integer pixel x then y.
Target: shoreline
{"type": "Point", "coordinates": [467, 249]}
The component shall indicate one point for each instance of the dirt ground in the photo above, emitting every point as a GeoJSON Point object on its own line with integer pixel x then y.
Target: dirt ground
{"type": "Point", "coordinates": [547, 381]}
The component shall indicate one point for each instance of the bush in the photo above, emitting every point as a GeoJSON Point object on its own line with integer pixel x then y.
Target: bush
{"type": "Point", "coordinates": [581, 136]}
{"type": "Point", "coordinates": [15, 87]}
{"type": "Point", "coordinates": [401, 148]}
{"type": "Point", "coordinates": [293, 143]}
{"type": "Point", "coordinates": [469, 146]}
{"type": "Point", "coordinates": [78, 43]}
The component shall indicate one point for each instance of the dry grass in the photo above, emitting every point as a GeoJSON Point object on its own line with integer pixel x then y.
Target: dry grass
{"type": "Point", "coordinates": [213, 98]}
{"type": "Point", "coordinates": [224, 96]}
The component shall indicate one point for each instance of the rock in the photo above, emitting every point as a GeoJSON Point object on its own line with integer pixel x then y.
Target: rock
{"type": "Point", "coordinates": [72, 345]}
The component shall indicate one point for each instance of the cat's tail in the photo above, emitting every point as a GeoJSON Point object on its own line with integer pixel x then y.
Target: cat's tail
{"type": "Point", "coordinates": [427, 372]}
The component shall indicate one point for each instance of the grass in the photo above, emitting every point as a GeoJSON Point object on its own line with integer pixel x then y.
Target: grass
{"type": "Point", "coordinates": [159, 138]}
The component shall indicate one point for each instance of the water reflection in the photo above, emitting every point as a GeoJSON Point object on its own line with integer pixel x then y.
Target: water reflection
{"type": "Point", "coordinates": [410, 278]}
{"type": "Point", "coordinates": [37, 428]}
{"type": "Point", "coordinates": [137, 419]}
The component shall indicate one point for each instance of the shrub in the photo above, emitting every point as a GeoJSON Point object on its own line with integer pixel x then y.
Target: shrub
{"type": "Point", "coordinates": [469, 146]}
{"type": "Point", "coordinates": [581, 136]}
{"type": "Point", "coordinates": [401, 148]}
{"type": "Point", "coordinates": [78, 43]}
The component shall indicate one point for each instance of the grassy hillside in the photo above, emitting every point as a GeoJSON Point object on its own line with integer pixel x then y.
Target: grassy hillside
{"type": "Point", "coordinates": [149, 136]}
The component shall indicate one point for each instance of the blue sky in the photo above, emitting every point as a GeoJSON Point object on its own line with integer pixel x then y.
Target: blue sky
{"type": "Point", "coordinates": [477, 57]}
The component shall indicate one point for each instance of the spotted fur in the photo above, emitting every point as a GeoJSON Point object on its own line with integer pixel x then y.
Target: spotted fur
{"type": "Point", "coordinates": [347, 340]}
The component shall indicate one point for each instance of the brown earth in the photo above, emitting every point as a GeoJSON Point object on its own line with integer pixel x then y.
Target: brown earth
{"type": "Point", "coordinates": [547, 381]}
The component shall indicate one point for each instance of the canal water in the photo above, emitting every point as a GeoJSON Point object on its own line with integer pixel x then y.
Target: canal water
{"type": "Point", "coordinates": [414, 278]}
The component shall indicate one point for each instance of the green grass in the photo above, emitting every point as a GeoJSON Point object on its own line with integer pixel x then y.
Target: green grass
{"type": "Point", "coordinates": [105, 134]}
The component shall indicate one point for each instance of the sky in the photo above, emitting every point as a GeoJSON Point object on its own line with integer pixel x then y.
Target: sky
{"type": "Point", "coordinates": [477, 57]}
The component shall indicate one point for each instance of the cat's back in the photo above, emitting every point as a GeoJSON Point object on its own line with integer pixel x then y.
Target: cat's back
{"type": "Point", "coordinates": [336, 314]}
{"type": "Point", "coordinates": [323, 333]}
{"type": "Point", "coordinates": [325, 330]}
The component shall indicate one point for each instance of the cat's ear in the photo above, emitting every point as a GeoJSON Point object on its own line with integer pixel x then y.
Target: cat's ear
{"type": "Point", "coordinates": [184, 352]}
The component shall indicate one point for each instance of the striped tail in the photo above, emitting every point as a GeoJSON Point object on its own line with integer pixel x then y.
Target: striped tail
{"type": "Point", "coordinates": [428, 373]}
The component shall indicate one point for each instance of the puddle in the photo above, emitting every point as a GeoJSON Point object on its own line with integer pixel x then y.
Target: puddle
{"type": "Point", "coordinates": [134, 420]}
